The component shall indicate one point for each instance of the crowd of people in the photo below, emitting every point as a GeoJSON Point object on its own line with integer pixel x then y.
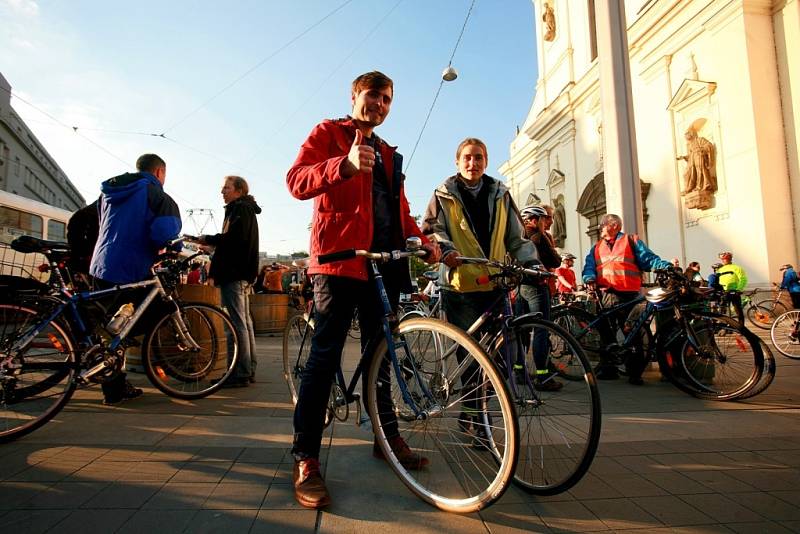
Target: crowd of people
{"type": "Point", "coordinates": [356, 181]}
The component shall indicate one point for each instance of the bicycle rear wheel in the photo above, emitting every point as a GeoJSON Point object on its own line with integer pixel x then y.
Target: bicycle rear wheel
{"type": "Point", "coordinates": [727, 362]}
{"type": "Point", "coordinates": [457, 413]}
{"type": "Point", "coordinates": [576, 322]}
{"type": "Point", "coordinates": [559, 429]}
{"type": "Point", "coordinates": [761, 316]}
{"type": "Point", "coordinates": [296, 349]}
{"type": "Point", "coordinates": [37, 382]}
{"type": "Point", "coordinates": [194, 363]}
{"type": "Point", "coordinates": [785, 334]}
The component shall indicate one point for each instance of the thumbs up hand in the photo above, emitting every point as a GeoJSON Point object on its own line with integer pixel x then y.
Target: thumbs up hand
{"type": "Point", "coordinates": [361, 158]}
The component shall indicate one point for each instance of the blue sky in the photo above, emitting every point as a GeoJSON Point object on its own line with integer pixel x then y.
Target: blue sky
{"type": "Point", "coordinates": [111, 66]}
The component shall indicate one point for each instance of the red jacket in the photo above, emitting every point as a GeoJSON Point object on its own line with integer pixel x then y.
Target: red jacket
{"type": "Point", "coordinates": [343, 206]}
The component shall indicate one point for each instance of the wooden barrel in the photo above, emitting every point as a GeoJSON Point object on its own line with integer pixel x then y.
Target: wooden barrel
{"type": "Point", "coordinates": [270, 312]}
{"type": "Point", "coordinates": [199, 293]}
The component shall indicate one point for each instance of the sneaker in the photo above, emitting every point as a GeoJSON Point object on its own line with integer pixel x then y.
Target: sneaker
{"type": "Point", "coordinates": [129, 392]}
{"type": "Point", "coordinates": [309, 487]}
{"type": "Point", "coordinates": [409, 459]}
{"type": "Point", "coordinates": [547, 384]}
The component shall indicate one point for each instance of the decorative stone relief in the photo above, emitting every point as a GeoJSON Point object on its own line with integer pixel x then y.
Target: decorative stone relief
{"type": "Point", "coordinates": [700, 176]}
{"type": "Point", "coordinates": [549, 18]}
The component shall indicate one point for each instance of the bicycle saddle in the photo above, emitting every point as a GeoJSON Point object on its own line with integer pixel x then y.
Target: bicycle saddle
{"type": "Point", "coordinates": [28, 244]}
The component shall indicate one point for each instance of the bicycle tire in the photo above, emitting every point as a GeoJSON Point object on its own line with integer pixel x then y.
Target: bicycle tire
{"type": "Point", "coordinates": [296, 338]}
{"type": "Point", "coordinates": [767, 376]}
{"type": "Point", "coordinates": [718, 376]}
{"type": "Point", "coordinates": [576, 322]}
{"type": "Point", "coordinates": [184, 372]}
{"type": "Point", "coordinates": [33, 393]}
{"type": "Point", "coordinates": [760, 316]}
{"type": "Point", "coordinates": [447, 374]}
{"type": "Point", "coordinates": [558, 430]}
{"type": "Point", "coordinates": [783, 334]}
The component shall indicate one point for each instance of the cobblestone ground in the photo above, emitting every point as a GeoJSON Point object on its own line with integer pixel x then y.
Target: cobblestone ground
{"type": "Point", "coordinates": [667, 463]}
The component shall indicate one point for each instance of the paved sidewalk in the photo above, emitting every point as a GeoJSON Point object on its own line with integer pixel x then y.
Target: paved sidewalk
{"type": "Point", "coordinates": [667, 463]}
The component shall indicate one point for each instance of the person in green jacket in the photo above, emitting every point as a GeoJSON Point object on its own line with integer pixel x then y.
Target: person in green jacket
{"type": "Point", "coordinates": [734, 280]}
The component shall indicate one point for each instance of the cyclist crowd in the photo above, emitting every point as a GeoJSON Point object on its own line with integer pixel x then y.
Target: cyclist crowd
{"type": "Point", "coordinates": [356, 181]}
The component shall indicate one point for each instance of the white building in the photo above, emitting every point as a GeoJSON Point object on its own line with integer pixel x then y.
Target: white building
{"type": "Point", "coordinates": [729, 70]}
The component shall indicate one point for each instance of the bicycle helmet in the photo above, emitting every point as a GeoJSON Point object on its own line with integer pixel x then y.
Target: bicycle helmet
{"type": "Point", "coordinates": [531, 212]}
{"type": "Point", "coordinates": [726, 254]}
{"type": "Point", "coordinates": [785, 266]}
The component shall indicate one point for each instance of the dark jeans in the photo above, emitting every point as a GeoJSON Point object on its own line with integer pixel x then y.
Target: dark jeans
{"type": "Point", "coordinates": [538, 300]}
{"type": "Point", "coordinates": [635, 363]}
{"type": "Point", "coordinates": [336, 299]}
{"type": "Point", "coordinates": [795, 300]}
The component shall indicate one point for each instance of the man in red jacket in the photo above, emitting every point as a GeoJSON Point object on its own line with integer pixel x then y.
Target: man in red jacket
{"type": "Point", "coordinates": [356, 182]}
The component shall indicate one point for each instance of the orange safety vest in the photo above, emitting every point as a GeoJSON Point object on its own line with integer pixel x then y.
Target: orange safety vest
{"type": "Point", "coordinates": [616, 268]}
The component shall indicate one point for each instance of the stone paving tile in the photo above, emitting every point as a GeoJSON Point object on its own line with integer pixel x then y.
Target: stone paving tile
{"type": "Point", "coordinates": [674, 512]}
{"type": "Point", "coordinates": [13, 464]}
{"type": "Point", "coordinates": [280, 497]}
{"type": "Point", "coordinates": [127, 454]}
{"type": "Point", "coordinates": [93, 521]}
{"type": "Point", "coordinates": [642, 464]}
{"type": "Point", "coordinates": [793, 526]}
{"type": "Point", "coordinates": [792, 497]}
{"type": "Point", "coordinates": [606, 465]}
{"type": "Point", "coordinates": [593, 487]}
{"type": "Point", "coordinates": [622, 514]}
{"type": "Point", "coordinates": [48, 471]}
{"type": "Point", "coordinates": [184, 496]}
{"type": "Point", "coordinates": [31, 521]}
{"type": "Point", "coordinates": [633, 485]}
{"type": "Point", "coordinates": [755, 460]}
{"type": "Point", "coordinates": [721, 508]}
{"type": "Point", "coordinates": [124, 495]}
{"type": "Point", "coordinates": [720, 481]}
{"type": "Point", "coordinates": [282, 521]}
{"type": "Point", "coordinates": [568, 516]}
{"type": "Point", "coordinates": [272, 455]}
{"type": "Point", "coordinates": [173, 454]}
{"type": "Point", "coordinates": [81, 453]}
{"type": "Point", "coordinates": [15, 494]}
{"type": "Point", "coordinates": [251, 473]}
{"type": "Point", "coordinates": [767, 505]}
{"type": "Point", "coordinates": [769, 479]}
{"type": "Point", "coordinates": [764, 527]}
{"type": "Point", "coordinates": [202, 472]}
{"type": "Point", "coordinates": [676, 483]}
{"type": "Point", "coordinates": [152, 471]}
{"type": "Point", "coordinates": [65, 495]}
{"type": "Point", "coordinates": [100, 470]}
{"type": "Point", "coordinates": [237, 497]}
{"type": "Point", "coordinates": [144, 521]}
{"type": "Point", "coordinates": [511, 519]}
{"type": "Point", "coordinates": [217, 454]}
{"type": "Point", "coordinates": [790, 458]}
{"type": "Point", "coordinates": [221, 521]}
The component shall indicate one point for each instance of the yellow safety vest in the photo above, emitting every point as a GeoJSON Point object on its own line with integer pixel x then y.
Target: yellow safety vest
{"type": "Point", "coordinates": [464, 278]}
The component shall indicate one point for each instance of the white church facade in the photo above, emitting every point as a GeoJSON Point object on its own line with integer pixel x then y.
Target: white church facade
{"type": "Point", "coordinates": [716, 101]}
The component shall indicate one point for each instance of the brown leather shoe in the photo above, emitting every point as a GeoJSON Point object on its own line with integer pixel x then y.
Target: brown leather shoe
{"type": "Point", "coordinates": [407, 458]}
{"type": "Point", "coordinates": [309, 487]}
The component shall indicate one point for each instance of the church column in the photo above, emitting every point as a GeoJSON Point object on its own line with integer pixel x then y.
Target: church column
{"type": "Point", "coordinates": [620, 161]}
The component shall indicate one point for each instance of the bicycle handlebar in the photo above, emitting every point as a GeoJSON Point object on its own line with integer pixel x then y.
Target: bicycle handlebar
{"type": "Point", "coordinates": [348, 254]}
{"type": "Point", "coordinates": [536, 271]}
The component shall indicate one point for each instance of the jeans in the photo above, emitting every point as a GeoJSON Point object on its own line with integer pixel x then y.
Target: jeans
{"type": "Point", "coordinates": [236, 299]}
{"type": "Point", "coordinates": [335, 299]}
{"type": "Point", "coordinates": [538, 299]}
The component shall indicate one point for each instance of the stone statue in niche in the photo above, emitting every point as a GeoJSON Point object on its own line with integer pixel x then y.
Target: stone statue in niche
{"type": "Point", "coordinates": [549, 19]}
{"type": "Point", "coordinates": [700, 176]}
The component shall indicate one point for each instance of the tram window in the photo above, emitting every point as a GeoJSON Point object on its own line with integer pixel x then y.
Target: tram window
{"type": "Point", "coordinates": [14, 223]}
{"type": "Point", "coordinates": [56, 230]}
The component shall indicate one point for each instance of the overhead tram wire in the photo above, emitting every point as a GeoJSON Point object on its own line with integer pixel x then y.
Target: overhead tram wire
{"type": "Point", "coordinates": [256, 66]}
{"type": "Point", "coordinates": [87, 139]}
{"type": "Point", "coordinates": [439, 89]}
{"type": "Point", "coordinates": [283, 125]}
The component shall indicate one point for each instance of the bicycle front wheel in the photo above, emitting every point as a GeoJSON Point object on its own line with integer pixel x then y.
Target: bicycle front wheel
{"type": "Point", "coordinates": [559, 421]}
{"type": "Point", "coordinates": [37, 381]}
{"type": "Point", "coordinates": [296, 349]}
{"type": "Point", "coordinates": [785, 334]}
{"type": "Point", "coordinates": [191, 352]}
{"type": "Point", "coordinates": [761, 316]}
{"type": "Point", "coordinates": [450, 405]}
{"type": "Point", "coordinates": [725, 363]}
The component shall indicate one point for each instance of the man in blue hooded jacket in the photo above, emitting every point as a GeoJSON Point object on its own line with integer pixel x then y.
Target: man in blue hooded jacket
{"type": "Point", "coordinates": [137, 219]}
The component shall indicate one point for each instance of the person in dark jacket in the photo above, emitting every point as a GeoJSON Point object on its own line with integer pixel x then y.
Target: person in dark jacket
{"type": "Point", "coordinates": [137, 219]}
{"type": "Point", "coordinates": [234, 267]}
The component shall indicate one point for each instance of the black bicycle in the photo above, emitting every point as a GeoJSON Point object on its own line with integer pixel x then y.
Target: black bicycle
{"type": "Point", "coordinates": [50, 344]}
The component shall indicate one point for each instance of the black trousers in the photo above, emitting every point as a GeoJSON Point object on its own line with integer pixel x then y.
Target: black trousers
{"type": "Point", "coordinates": [336, 299]}
{"type": "Point", "coordinates": [634, 364]}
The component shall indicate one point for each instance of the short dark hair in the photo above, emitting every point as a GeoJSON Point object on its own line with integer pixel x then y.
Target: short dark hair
{"type": "Point", "coordinates": [149, 163]}
{"type": "Point", "coordinates": [239, 183]}
{"type": "Point", "coordinates": [372, 80]}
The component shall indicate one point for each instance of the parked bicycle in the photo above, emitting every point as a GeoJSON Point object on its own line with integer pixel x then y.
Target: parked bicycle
{"type": "Point", "coordinates": [785, 334]}
{"type": "Point", "coordinates": [50, 345]}
{"type": "Point", "coordinates": [438, 371]}
{"type": "Point", "coordinates": [703, 353]}
{"type": "Point", "coordinates": [559, 427]}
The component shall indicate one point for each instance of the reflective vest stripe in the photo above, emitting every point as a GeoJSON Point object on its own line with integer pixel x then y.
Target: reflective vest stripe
{"type": "Point", "coordinates": [616, 267]}
{"type": "Point", "coordinates": [464, 277]}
